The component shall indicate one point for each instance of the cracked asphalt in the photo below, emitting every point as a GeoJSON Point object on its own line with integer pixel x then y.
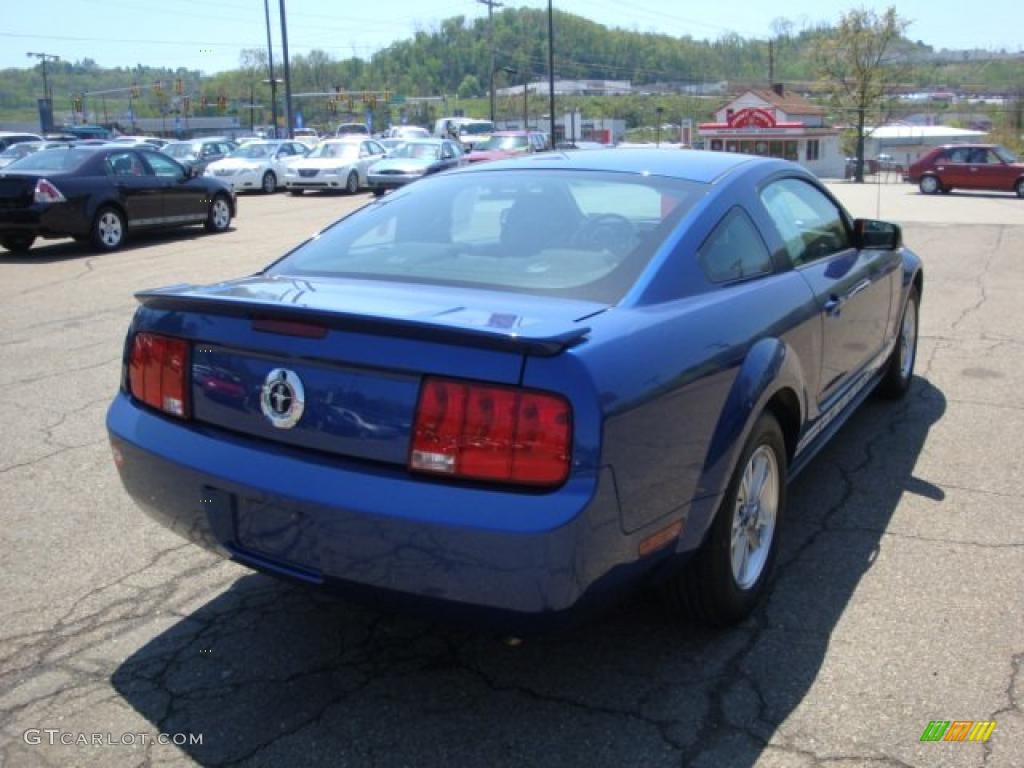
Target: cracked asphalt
{"type": "Point", "coordinates": [898, 597]}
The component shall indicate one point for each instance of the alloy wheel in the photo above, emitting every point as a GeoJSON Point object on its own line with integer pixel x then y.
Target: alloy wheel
{"type": "Point", "coordinates": [754, 515]}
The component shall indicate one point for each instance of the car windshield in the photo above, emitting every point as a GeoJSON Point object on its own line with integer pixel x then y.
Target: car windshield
{"type": "Point", "coordinates": [585, 235]}
{"type": "Point", "coordinates": [344, 151]}
{"type": "Point", "coordinates": [504, 142]}
{"type": "Point", "coordinates": [476, 129]}
{"type": "Point", "coordinates": [417, 150]}
{"type": "Point", "coordinates": [57, 159]}
{"type": "Point", "coordinates": [1005, 155]}
{"type": "Point", "coordinates": [254, 150]}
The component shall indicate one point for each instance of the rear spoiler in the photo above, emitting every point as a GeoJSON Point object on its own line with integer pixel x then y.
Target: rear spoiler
{"type": "Point", "coordinates": [543, 339]}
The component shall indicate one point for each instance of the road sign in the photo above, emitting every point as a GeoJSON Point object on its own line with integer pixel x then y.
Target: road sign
{"type": "Point", "coordinates": [397, 98]}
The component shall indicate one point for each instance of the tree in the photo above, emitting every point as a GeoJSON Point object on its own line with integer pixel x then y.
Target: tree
{"type": "Point", "coordinates": [852, 61]}
{"type": "Point", "coordinates": [469, 88]}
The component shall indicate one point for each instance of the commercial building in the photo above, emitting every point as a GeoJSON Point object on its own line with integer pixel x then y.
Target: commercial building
{"type": "Point", "coordinates": [776, 123]}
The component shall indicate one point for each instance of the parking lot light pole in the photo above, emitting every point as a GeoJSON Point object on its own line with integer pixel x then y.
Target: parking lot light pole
{"type": "Point", "coordinates": [270, 62]}
{"type": "Point", "coordinates": [287, 75]}
{"type": "Point", "coordinates": [551, 69]}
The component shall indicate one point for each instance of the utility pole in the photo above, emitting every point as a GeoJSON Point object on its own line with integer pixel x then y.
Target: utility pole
{"type": "Point", "coordinates": [270, 61]}
{"type": "Point", "coordinates": [551, 69]}
{"type": "Point", "coordinates": [771, 63]}
{"type": "Point", "coordinates": [45, 113]}
{"type": "Point", "coordinates": [490, 39]}
{"type": "Point", "coordinates": [287, 75]}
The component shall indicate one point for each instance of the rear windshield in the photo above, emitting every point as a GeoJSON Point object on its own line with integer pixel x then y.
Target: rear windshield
{"type": "Point", "coordinates": [423, 151]}
{"type": "Point", "coordinates": [58, 159]}
{"type": "Point", "coordinates": [572, 234]}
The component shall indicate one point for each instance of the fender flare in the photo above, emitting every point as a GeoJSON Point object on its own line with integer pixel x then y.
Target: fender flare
{"type": "Point", "coordinates": [770, 367]}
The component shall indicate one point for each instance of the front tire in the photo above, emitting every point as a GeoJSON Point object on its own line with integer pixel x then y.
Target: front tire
{"type": "Point", "coordinates": [899, 371]}
{"type": "Point", "coordinates": [219, 217]}
{"type": "Point", "coordinates": [269, 183]}
{"type": "Point", "coordinates": [930, 185]}
{"type": "Point", "coordinates": [352, 183]}
{"type": "Point", "coordinates": [108, 230]}
{"type": "Point", "coordinates": [726, 577]}
{"type": "Point", "coordinates": [18, 243]}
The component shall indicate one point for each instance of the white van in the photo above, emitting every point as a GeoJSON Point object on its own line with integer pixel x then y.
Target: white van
{"type": "Point", "coordinates": [469, 131]}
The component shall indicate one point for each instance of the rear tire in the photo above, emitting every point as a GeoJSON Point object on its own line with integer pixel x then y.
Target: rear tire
{"type": "Point", "coordinates": [725, 579]}
{"type": "Point", "coordinates": [269, 183]}
{"type": "Point", "coordinates": [219, 217]}
{"type": "Point", "coordinates": [108, 229]}
{"type": "Point", "coordinates": [352, 183]}
{"type": "Point", "coordinates": [929, 185]}
{"type": "Point", "coordinates": [899, 371]}
{"type": "Point", "coordinates": [18, 243]}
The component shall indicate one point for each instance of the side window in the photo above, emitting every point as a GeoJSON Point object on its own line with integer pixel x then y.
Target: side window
{"type": "Point", "coordinates": [811, 226]}
{"type": "Point", "coordinates": [284, 150]}
{"type": "Point", "coordinates": [376, 148]}
{"type": "Point", "coordinates": [959, 155]}
{"type": "Point", "coordinates": [734, 250]}
{"type": "Point", "coordinates": [446, 151]}
{"type": "Point", "coordinates": [299, 149]}
{"type": "Point", "coordinates": [163, 166]}
{"type": "Point", "coordinates": [126, 164]}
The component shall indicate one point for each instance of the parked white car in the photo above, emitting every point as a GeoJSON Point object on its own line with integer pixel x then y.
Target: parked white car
{"type": "Point", "coordinates": [335, 164]}
{"type": "Point", "coordinates": [307, 136]}
{"type": "Point", "coordinates": [258, 165]}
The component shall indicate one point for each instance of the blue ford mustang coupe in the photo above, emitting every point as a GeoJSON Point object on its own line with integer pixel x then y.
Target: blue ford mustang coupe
{"type": "Point", "coordinates": [519, 388]}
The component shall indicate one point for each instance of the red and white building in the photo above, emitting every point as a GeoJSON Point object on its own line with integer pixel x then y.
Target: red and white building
{"type": "Point", "coordinates": [776, 123]}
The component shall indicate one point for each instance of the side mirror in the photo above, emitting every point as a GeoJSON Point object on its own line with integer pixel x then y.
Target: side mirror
{"type": "Point", "coordinates": [871, 234]}
{"type": "Point", "coordinates": [191, 171]}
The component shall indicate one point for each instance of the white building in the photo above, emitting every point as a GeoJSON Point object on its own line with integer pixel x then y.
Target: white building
{"type": "Point", "coordinates": [906, 143]}
{"type": "Point", "coordinates": [776, 123]}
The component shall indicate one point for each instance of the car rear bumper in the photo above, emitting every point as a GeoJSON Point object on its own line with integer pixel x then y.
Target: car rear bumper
{"type": "Point", "coordinates": [362, 526]}
{"type": "Point", "coordinates": [44, 220]}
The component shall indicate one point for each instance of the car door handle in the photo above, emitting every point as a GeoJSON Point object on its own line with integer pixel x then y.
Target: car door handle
{"type": "Point", "coordinates": [861, 286]}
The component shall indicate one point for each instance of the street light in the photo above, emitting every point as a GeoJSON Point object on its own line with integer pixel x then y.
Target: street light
{"type": "Point", "coordinates": [659, 111]}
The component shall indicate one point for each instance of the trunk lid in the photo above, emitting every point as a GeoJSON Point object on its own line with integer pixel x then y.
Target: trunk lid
{"type": "Point", "coordinates": [359, 350]}
{"type": "Point", "coordinates": [17, 190]}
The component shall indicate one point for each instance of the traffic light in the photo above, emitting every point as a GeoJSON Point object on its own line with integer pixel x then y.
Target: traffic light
{"type": "Point", "coordinates": [222, 103]}
{"type": "Point", "coordinates": [179, 86]}
{"type": "Point", "coordinates": [158, 86]}
{"type": "Point", "coordinates": [135, 90]}
{"type": "Point", "coordinates": [186, 102]}
{"type": "Point", "coordinates": [204, 102]}
{"type": "Point", "coordinates": [77, 104]}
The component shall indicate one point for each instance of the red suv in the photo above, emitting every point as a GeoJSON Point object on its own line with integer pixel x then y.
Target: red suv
{"type": "Point", "coordinates": [968, 166]}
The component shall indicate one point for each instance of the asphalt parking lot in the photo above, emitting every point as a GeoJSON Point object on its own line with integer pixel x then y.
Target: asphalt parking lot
{"type": "Point", "coordinates": [899, 598]}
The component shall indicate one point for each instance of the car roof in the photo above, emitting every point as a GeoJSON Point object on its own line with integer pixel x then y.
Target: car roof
{"type": "Point", "coordinates": [693, 165]}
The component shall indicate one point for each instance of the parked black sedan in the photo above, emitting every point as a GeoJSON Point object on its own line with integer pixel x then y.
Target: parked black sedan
{"type": "Point", "coordinates": [100, 194]}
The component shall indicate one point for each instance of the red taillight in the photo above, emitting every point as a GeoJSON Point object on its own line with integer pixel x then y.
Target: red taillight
{"type": "Point", "coordinates": [46, 192]}
{"type": "Point", "coordinates": [486, 432]}
{"type": "Point", "coordinates": [158, 372]}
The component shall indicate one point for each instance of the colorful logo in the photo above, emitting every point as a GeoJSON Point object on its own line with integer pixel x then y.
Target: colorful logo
{"type": "Point", "coordinates": [958, 730]}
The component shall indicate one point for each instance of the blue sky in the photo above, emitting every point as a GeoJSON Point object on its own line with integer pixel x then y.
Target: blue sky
{"type": "Point", "coordinates": [208, 34]}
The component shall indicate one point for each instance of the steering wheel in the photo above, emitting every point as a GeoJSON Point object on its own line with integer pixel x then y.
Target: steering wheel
{"type": "Point", "coordinates": [608, 232]}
